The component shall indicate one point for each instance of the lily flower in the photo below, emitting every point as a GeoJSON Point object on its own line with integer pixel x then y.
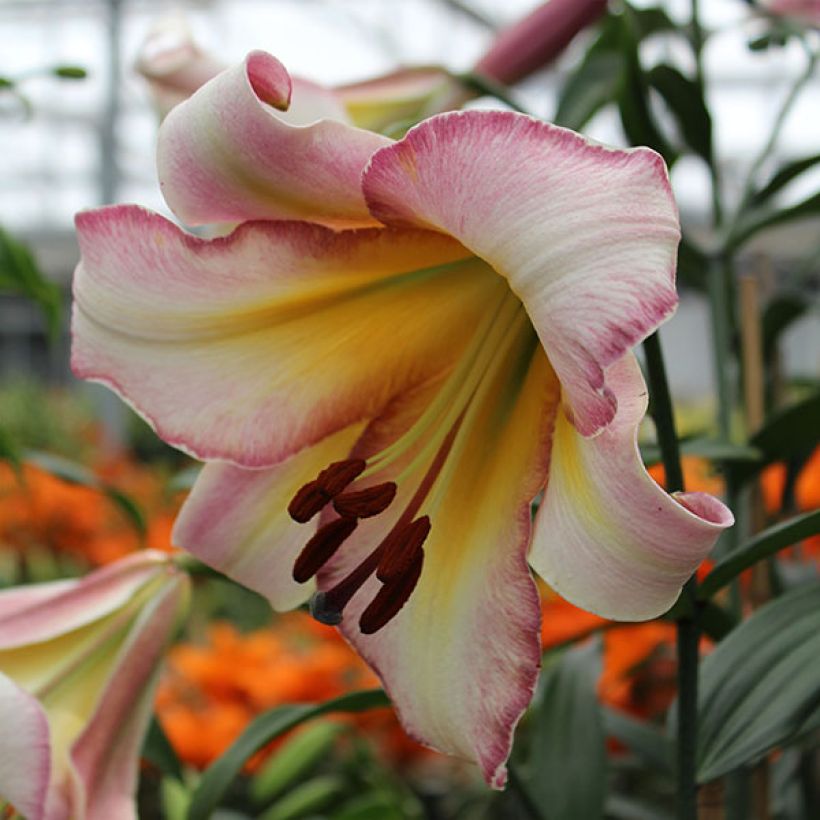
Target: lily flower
{"type": "Point", "coordinates": [78, 663]}
{"type": "Point", "coordinates": [379, 406]}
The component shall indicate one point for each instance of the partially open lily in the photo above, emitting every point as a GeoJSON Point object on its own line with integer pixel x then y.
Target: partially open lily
{"type": "Point", "coordinates": [78, 660]}
{"type": "Point", "coordinates": [405, 389]}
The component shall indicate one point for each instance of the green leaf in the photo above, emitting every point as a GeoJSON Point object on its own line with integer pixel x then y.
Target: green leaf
{"type": "Point", "coordinates": [307, 799]}
{"type": "Point", "coordinates": [19, 273]}
{"type": "Point", "coordinates": [221, 773]}
{"type": "Point", "coordinates": [761, 546]}
{"type": "Point", "coordinates": [763, 217]}
{"type": "Point", "coordinates": [647, 742]}
{"type": "Point", "coordinates": [712, 449]}
{"type": "Point", "coordinates": [9, 451]}
{"type": "Point", "coordinates": [637, 119]}
{"type": "Point", "coordinates": [70, 72]}
{"type": "Point", "coordinates": [568, 716]}
{"type": "Point", "coordinates": [595, 82]}
{"type": "Point", "coordinates": [685, 100]}
{"type": "Point", "coordinates": [693, 265]}
{"type": "Point", "coordinates": [294, 759]}
{"type": "Point", "coordinates": [788, 433]}
{"type": "Point", "coordinates": [760, 684]}
{"type": "Point", "coordinates": [79, 474]}
{"type": "Point", "coordinates": [158, 750]}
{"type": "Point", "coordinates": [651, 21]}
{"type": "Point", "coordinates": [780, 313]}
{"type": "Point", "coordinates": [783, 176]}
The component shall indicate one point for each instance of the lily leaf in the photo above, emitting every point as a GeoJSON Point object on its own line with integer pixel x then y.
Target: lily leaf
{"type": "Point", "coordinates": [685, 100]}
{"type": "Point", "coordinates": [9, 452]}
{"type": "Point", "coordinates": [219, 775]}
{"type": "Point", "coordinates": [780, 313]}
{"type": "Point", "coordinates": [788, 433]}
{"type": "Point", "coordinates": [19, 273]}
{"type": "Point", "coordinates": [595, 82]}
{"type": "Point", "coordinates": [761, 684]}
{"type": "Point", "coordinates": [637, 119]}
{"type": "Point", "coordinates": [568, 715]}
{"type": "Point", "coordinates": [159, 751]}
{"type": "Point", "coordinates": [761, 218]}
{"type": "Point", "coordinates": [761, 546]}
{"type": "Point", "coordinates": [783, 176]}
{"type": "Point", "coordinates": [645, 741]}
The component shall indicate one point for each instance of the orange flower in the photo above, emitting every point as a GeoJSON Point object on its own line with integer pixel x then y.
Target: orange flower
{"type": "Point", "coordinates": [212, 690]}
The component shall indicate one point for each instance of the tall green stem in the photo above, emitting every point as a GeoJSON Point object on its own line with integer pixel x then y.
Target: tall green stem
{"type": "Point", "coordinates": [688, 628]}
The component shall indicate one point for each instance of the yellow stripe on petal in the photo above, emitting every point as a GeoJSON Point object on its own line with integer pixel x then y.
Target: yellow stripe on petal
{"type": "Point", "coordinates": [460, 659]}
{"type": "Point", "coordinates": [251, 347]}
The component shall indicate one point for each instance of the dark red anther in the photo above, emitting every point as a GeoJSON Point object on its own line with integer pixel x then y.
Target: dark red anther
{"type": "Point", "coordinates": [391, 597]}
{"type": "Point", "coordinates": [334, 478]}
{"type": "Point", "coordinates": [401, 548]}
{"type": "Point", "coordinates": [366, 503]}
{"type": "Point", "coordinates": [309, 500]}
{"type": "Point", "coordinates": [321, 547]}
{"type": "Point", "coordinates": [313, 496]}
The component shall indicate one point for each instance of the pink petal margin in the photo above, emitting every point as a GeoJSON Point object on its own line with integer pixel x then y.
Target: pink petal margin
{"type": "Point", "coordinates": [225, 154]}
{"type": "Point", "coordinates": [586, 235]}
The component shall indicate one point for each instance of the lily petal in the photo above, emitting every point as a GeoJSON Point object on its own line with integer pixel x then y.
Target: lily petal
{"type": "Point", "coordinates": [25, 618]}
{"type": "Point", "coordinates": [586, 235]}
{"type": "Point", "coordinates": [250, 347]}
{"type": "Point", "coordinates": [460, 659]}
{"type": "Point", "coordinates": [236, 520]}
{"type": "Point", "coordinates": [25, 769]}
{"type": "Point", "coordinates": [406, 94]}
{"type": "Point", "coordinates": [225, 154]}
{"type": "Point", "coordinates": [106, 755]}
{"type": "Point", "coordinates": [607, 537]}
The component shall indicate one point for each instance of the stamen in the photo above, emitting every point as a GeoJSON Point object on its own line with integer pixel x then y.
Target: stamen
{"type": "Point", "coordinates": [391, 597]}
{"type": "Point", "coordinates": [308, 500]}
{"type": "Point", "coordinates": [335, 477]}
{"type": "Point", "coordinates": [366, 503]}
{"type": "Point", "coordinates": [321, 547]}
{"type": "Point", "coordinates": [313, 496]}
{"type": "Point", "coordinates": [401, 548]}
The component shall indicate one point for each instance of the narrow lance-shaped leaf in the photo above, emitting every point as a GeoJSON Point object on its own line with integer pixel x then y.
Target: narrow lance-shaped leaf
{"type": "Point", "coordinates": [779, 315]}
{"type": "Point", "coordinates": [268, 726]}
{"type": "Point", "coordinates": [790, 432]}
{"type": "Point", "coordinates": [568, 738]}
{"type": "Point", "coordinates": [783, 176]}
{"type": "Point", "coordinates": [762, 218]}
{"type": "Point", "coordinates": [19, 273]}
{"type": "Point", "coordinates": [761, 684]}
{"type": "Point", "coordinates": [761, 546]}
{"type": "Point", "coordinates": [685, 99]}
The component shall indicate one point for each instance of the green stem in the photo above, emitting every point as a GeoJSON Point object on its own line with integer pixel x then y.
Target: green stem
{"type": "Point", "coordinates": [719, 283]}
{"type": "Point", "coordinates": [688, 627]}
{"type": "Point", "coordinates": [698, 40]}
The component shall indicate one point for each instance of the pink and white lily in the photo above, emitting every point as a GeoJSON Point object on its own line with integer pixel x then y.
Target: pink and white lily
{"type": "Point", "coordinates": [439, 333]}
{"type": "Point", "coordinates": [78, 660]}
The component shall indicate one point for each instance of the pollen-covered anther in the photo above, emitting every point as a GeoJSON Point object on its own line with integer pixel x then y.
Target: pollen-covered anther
{"type": "Point", "coordinates": [321, 547]}
{"type": "Point", "coordinates": [400, 549]}
{"type": "Point", "coordinates": [392, 596]}
{"type": "Point", "coordinates": [312, 497]}
{"type": "Point", "coordinates": [335, 477]}
{"type": "Point", "coordinates": [366, 503]}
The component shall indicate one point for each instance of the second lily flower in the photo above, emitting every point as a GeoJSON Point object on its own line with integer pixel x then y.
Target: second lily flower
{"type": "Point", "coordinates": [444, 334]}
